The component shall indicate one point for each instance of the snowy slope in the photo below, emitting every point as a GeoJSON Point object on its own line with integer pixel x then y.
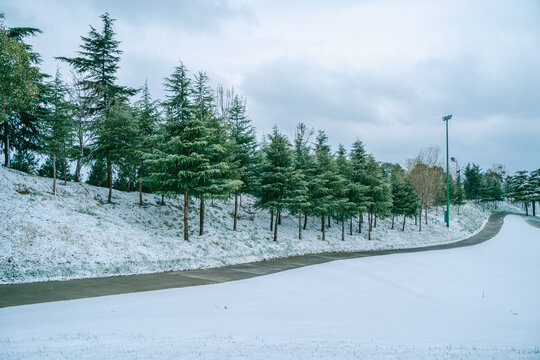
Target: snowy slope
{"type": "Point", "coordinates": [76, 234]}
{"type": "Point", "coordinates": [478, 302]}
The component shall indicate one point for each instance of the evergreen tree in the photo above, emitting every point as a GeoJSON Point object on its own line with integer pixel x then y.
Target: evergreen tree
{"type": "Point", "coordinates": [243, 150]}
{"type": "Point", "coordinates": [458, 194]}
{"type": "Point", "coordinates": [146, 119]}
{"type": "Point", "coordinates": [19, 90]}
{"type": "Point", "coordinates": [57, 131]}
{"type": "Point", "coordinates": [215, 148]}
{"type": "Point", "coordinates": [534, 180]}
{"type": "Point", "coordinates": [98, 64]}
{"type": "Point", "coordinates": [325, 182]}
{"type": "Point", "coordinates": [404, 199]}
{"type": "Point", "coordinates": [521, 189]}
{"type": "Point", "coordinates": [358, 159]}
{"type": "Point", "coordinates": [345, 207]}
{"type": "Point", "coordinates": [303, 163]}
{"type": "Point", "coordinates": [473, 182]}
{"type": "Point", "coordinates": [378, 191]}
{"type": "Point", "coordinates": [276, 182]}
{"type": "Point", "coordinates": [98, 174]}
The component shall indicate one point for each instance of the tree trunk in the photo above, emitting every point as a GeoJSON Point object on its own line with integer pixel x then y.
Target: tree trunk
{"type": "Point", "coordinates": [186, 204]}
{"type": "Point", "coordinates": [329, 221]}
{"type": "Point", "coordinates": [404, 218]}
{"type": "Point", "coordinates": [526, 209]}
{"type": "Point", "coordinates": [201, 216]}
{"type": "Point", "coordinates": [375, 220]}
{"type": "Point", "coordinates": [342, 229]}
{"type": "Point", "coordinates": [420, 219]}
{"type": "Point", "coordinates": [162, 199]}
{"type": "Point", "coordinates": [235, 209]}
{"type": "Point", "coordinates": [370, 218]}
{"type": "Point", "coordinates": [360, 219]}
{"type": "Point", "coordinates": [65, 171]}
{"type": "Point", "coordinates": [271, 219]}
{"type": "Point", "coordinates": [78, 167]}
{"type": "Point", "coordinates": [140, 191]}
{"type": "Point", "coordinates": [534, 207]}
{"type": "Point", "coordinates": [425, 214]}
{"type": "Point", "coordinates": [109, 179]}
{"type": "Point", "coordinates": [322, 226]}
{"type": "Point", "coordinates": [279, 217]}
{"type": "Point", "coordinates": [6, 144]}
{"type": "Point", "coordinates": [415, 219]}
{"type": "Point", "coordinates": [276, 225]}
{"type": "Point", "coordinates": [305, 221]}
{"type": "Point", "coordinates": [350, 228]}
{"type": "Point", "coordinates": [129, 182]}
{"type": "Point", "coordinates": [54, 175]}
{"type": "Point", "coordinates": [299, 225]}
{"type": "Point", "coordinates": [393, 215]}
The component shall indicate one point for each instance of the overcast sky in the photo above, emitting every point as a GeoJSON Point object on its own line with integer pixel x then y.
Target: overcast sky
{"type": "Point", "coordinates": [384, 72]}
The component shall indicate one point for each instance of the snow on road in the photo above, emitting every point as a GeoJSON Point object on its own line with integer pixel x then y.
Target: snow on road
{"type": "Point", "coordinates": [480, 302]}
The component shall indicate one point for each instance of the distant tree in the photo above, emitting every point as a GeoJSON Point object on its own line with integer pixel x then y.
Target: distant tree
{"type": "Point", "coordinates": [347, 191]}
{"type": "Point", "coordinates": [243, 149]}
{"type": "Point", "coordinates": [303, 163]}
{"type": "Point", "coordinates": [473, 182]}
{"type": "Point", "coordinates": [215, 149]}
{"type": "Point", "coordinates": [98, 64]}
{"type": "Point", "coordinates": [458, 197]}
{"type": "Point", "coordinates": [277, 177]}
{"type": "Point", "coordinates": [147, 118]}
{"type": "Point", "coordinates": [57, 130]}
{"type": "Point", "coordinates": [359, 177]}
{"type": "Point", "coordinates": [522, 189]}
{"type": "Point", "coordinates": [534, 181]}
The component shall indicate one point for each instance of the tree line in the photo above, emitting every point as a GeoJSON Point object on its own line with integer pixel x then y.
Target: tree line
{"type": "Point", "coordinates": [199, 143]}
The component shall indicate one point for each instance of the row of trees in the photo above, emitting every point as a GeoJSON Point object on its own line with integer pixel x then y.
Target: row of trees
{"type": "Point", "coordinates": [198, 143]}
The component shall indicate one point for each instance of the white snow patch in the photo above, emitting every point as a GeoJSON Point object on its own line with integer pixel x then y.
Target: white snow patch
{"type": "Point", "coordinates": [477, 302]}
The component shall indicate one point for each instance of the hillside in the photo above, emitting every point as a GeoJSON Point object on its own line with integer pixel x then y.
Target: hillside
{"type": "Point", "coordinates": [75, 234]}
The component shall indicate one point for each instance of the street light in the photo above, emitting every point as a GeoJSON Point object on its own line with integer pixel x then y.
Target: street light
{"type": "Point", "coordinates": [445, 119]}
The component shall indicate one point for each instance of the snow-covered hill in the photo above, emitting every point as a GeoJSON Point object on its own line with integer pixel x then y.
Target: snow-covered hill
{"type": "Point", "coordinates": [75, 234]}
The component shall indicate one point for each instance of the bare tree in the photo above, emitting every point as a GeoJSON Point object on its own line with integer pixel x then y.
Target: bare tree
{"type": "Point", "coordinates": [81, 100]}
{"type": "Point", "coordinates": [426, 176]}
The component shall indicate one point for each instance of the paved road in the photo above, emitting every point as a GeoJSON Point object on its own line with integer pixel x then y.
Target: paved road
{"type": "Point", "coordinates": [21, 294]}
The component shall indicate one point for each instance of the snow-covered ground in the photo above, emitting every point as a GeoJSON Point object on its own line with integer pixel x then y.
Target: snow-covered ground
{"type": "Point", "coordinates": [479, 302]}
{"type": "Point", "coordinates": [76, 234]}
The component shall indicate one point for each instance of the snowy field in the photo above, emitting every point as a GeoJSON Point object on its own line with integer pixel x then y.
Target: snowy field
{"type": "Point", "coordinates": [479, 302]}
{"type": "Point", "coordinates": [77, 235]}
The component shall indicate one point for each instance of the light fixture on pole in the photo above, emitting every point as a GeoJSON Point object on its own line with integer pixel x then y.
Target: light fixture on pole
{"type": "Point", "coordinates": [445, 119]}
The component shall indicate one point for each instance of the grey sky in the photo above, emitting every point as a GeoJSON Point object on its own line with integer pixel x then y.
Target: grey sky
{"type": "Point", "coordinates": [381, 71]}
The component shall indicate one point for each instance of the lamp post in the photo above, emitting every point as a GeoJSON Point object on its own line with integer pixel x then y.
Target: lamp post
{"type": "Point", "coordinates": [445, 119]}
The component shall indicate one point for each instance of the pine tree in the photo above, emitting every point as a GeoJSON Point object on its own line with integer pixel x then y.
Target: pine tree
{"type": "Point", "coordinates": [345, 207]}
{"type": "Point", "coordinates": [521, 189]}
{"type": "Point", "coordinates": [276, 182]}
{"type": "Point", "coordinates": [459, 194]}
{"type": "Point", "coordinates": [325, 182]}
{"type": "Point", "coordinates": [215, 149]}
{"type": "Point", "coordinates": [243, 150]}
{"type": "Point", "coordinates": [57, 132]}
{"type": "Point", "coordinates": [358, 159]}
{"type": "Point", "coordinates": [534, 180]}
{"type": "Point", "coordinates": [146, 119]}
{"type": "Point", "coordinates": [473, 182]}
{"type": "Point", "coordinates": [98, 64]}
{"type": "Point", "coordinates": [303, 163]}
{"type": "Point", "coordinates": [19, 90]}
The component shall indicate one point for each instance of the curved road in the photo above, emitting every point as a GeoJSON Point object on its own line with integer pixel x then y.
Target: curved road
{"type": "Point", "coordinates": [31, 293]}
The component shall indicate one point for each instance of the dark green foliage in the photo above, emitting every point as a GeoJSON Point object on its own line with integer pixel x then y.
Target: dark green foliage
{"type": "Point", "coordinates": [98, 174]}
{"type": "Point", "coordinates": [24, 161]}
{"type": "Point", "coordinates": [473, 182]}
{"type": "Point", "coordinates": [46, 169]}
{"type": "Point", "coordinates": [277, 176]}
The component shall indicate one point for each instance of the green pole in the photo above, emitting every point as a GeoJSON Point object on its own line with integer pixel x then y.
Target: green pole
{"type": "Point", "coordinates": [447, 182]}
{"type": "Point", "coordinates": [445, 119]}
